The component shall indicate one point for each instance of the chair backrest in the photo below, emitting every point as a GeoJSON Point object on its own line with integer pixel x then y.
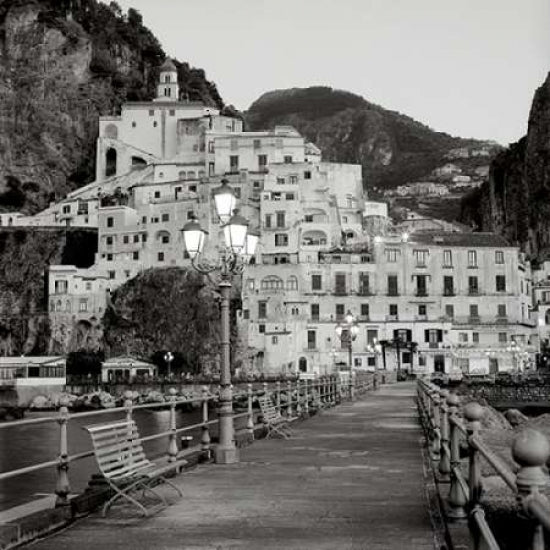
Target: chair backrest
{"type": "Point", "coordinates": [270, 413]}
{"type": "Point", "coordinates": [118, 449]}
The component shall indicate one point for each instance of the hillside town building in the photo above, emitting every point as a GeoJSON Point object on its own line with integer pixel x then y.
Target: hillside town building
{"type": "Point", "coordinates": [426, 297]}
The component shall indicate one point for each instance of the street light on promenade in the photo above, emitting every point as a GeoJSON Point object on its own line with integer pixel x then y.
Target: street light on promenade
{"type": "Point", "coordinates": [348, 329]}
{"type": "Point", "coordinates": [240, 244]}
{"type": "Point", "coordinates": [169, 357]}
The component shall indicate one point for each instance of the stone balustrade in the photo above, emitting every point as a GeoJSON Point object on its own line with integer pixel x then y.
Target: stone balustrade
{"type": "Point", "coordinates": [449, 426]}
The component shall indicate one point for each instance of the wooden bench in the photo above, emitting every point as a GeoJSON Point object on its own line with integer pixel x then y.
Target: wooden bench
{"type": "Point", "coordinates": [275, 423]}
{"type": "Point", "coordinates": [122, 461]}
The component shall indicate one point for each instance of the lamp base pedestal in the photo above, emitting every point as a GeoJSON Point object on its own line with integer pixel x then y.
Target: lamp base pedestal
{"type": "Point", "coordinates": [226, 455]}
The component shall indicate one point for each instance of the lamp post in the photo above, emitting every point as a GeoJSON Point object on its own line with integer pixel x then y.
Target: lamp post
{"type": "Point", "coordinates": [169, 357]}
{"type": "Point", "coordinates": [240, 244]}
{"type": "Point", "coordinates": [348, 329]}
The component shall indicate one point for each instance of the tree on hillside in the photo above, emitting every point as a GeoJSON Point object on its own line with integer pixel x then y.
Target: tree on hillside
{"type": "Point", "coordinates": [165, 309]}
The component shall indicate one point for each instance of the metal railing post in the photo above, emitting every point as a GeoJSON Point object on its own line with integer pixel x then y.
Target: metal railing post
{"type": "Point", "coordinates": [306, 400]}
{"type": "Point", "coordinates": [457, 499]}
{"type": "Point", "coordinates": [531, 450]}
{"type": "Point", "coordinates": [299, 407]}
{"type": "Point", "coordinates": [128, 402]}
{"type": "Point", "coordinates": [444, 458]}
{"type": "Point", "coordinates": [63, 488]}
{"type": "Point", "coordinates": [250, 417]}
{"type": "Point", "coordinates": [353, 381]}
{"type": "Point", "coordinates": [473, 412]}
{"type": "Point", "coordinates": [205, 436]}
{"type": "Point", "coordinates": [172, 442]}
{"type": "Point", "coordinates": [289, 398]}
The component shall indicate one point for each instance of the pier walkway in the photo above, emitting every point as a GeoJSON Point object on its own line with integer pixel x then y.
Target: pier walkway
{"type": "Point", "coordinates": [351, 477]}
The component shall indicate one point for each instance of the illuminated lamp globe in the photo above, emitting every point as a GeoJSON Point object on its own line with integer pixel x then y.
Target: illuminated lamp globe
{"type": "Point", "coordinates": [235, 233]}
{"type": "Point", "coordinates": [252, 237]}
{"type": "Point", "coordinates": [225, 201]}
{"type": "Point", "coordinates": [193, 238]}
{"type": "Point", "coordinates": [349, 317]}
{"type": "Point", "coordinates": [354, 330]}
{"type": "Point", "coordinates": [339, 330]}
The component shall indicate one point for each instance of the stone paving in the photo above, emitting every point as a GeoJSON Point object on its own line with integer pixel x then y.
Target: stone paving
{"type": "Point", "coordinates": [350, 478]}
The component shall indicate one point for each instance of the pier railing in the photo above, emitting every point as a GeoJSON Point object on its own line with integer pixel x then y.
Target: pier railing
{"type": "Point", "coordinates": [449, 426]}
{"type": "Point", "coordinates": [291, 397]}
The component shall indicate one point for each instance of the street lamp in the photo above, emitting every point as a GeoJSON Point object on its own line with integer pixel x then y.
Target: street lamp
{"type": "Point", "coordinates": [240, 244]}
{"type": "Point", "coordinates": [348, 330]}
{"type": "Point", "coordinates": [168, 357]}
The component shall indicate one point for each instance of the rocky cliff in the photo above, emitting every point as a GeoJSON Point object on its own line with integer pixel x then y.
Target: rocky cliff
{"type": "Point", "coordinates": [167, 309]}
{"type": "Point", "coordinates": [25, 254]}
{"type": "Point", "coordinates": [63, 63]}
{"type": "Point", "coordinates": [515, 201]}
{"type": "Point", "coordinates": [392, 148]}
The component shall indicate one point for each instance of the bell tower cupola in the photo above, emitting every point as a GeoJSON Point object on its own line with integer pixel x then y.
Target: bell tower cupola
{"type": "Point", "coordinates": [168, 89]}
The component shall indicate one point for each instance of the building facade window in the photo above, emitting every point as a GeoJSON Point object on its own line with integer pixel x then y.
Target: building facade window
{"type": "Point", "coordinates": [61, 287]}
{"type": "Point", "coordinates": [316, 282]}
{"type": "Point", "coordinates": [262, 309]}
{"type": "Point", "coordinates": [421, 257]}
{"type": "Point", "coordinates": [314, 312]}
{"type": "Point", "coordinates": [110, 221]}
{"type": "Point", "coordinates": [499, 257]}
{"type": "Point", "coordinates": [281, 239]}
{"type": "Point", "coordinates": [474, 312]}
{"type": "Point", "coordinates": [449, 311]}
{"type": "Point", "coordinates": [391, 255]}
{"type": "Point", "coordinates": [393, 310]}
{"type": "Point", "coordinates": [447, 258]}
{"type": "Point", "coordinates": [472, 258]}
{"type": "Point", "coordinates": [365, 311]}
{"type": "Point", "coordinates": [340, 284]}
{"type": "Point", "coordinates": [502, 337]}
{"type": "Point", "coordinates": [364, 288]}
{"type": "Point", "coordinates": [500, 283]}
{"type": "Point", "coordinates": [280, 216]}
{"type": "Point", "coordinates": [393, 289]}
{"type": "Point", "coordinates": [311, 339]}
{"type": "Point", "coordinates": [473, 287]}
{"type": "Point", "coordinates": [448, 286]}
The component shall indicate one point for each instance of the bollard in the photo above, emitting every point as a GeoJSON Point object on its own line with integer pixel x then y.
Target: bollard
{"type": "Point", "coordinates": [531, 450]}
{"type": "Point", "coordinates": [172, 439]}
{"type": "Point", "coordinates": [457, 500]}
{"type": "Point", "coordinates": [444, 458]}
{"type": "Point", "coordinates": [278, 396]}
{"type": "Point", "coordinates": [62, 488]}
{"type": "Point", "coordinates": [338, 388]}
{"type": "Point", "coordinates": [250, 417]}
{"type": "Point", "coordinates": [473, 412]}
{"type": "Point", "coordinates": [289, 399]}
{"type": "Point", "coordinates": [205, 436]}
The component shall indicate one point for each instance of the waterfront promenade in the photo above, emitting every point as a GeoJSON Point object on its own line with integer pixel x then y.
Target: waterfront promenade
{"type": "Point", "coordinates": [349, 478]}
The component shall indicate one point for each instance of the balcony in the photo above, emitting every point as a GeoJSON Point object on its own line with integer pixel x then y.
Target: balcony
{"type": "Point", "coordinates": [364, 292]}
{"type": "Point", "coordinates": [392, 317]}
{"type": "Point", "coordinates": [474, 319]}
{"type": "Point", "coordinates": [392, 293]}
{"type": "Point", "coordinates": [340, 292]}
{"type": "Point", "coordinates": [473, 292]}
{"type": "Point", "coordinates": [434, 345]}
{"type": "Point", "coordinates": [421, 317]}
{"type": "Point", "coordinates": [502, 320]}
{"type": "Point", "coordinates": [449, 292]}
{"type": "Point", "coordinates": [421, 293]}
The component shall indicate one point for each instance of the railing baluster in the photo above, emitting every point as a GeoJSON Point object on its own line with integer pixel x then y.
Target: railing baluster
{"type": "Point", "coordinates": [457, 499]}
{"type": "Point", "coordinates": [250, 417]}
{"type": "Point", "coordinates": [444, 458]}
{"type": "Point", "coordinates": [172, 442]}
{"type": "Point", "coordinates": [473, 412]}
{"type": "Point", "coordinates": [205, 436]}
{"type": "Point", "coordinates": [299, 407]}
{"type": "Point", "coordinates": [436, 433]}
{"type": "Point", "coordinates": [278, 395]}
{"type": "Point", "coordinates": [62, 488]}
{"type": "Point", "coordinates": [531, 450]}
{"type": "Point", "coordinates": [352, 382]}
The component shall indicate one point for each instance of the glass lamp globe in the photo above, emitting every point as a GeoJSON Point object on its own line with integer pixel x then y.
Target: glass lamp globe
{"type": "Point", "coordinates": [235, 232]}
{"type": "Point", "coordinates": [193, 238]}
{"type": "Point", "coordinates": [349, 317]}
{"type": "Point", "coordinates": [252, 237]}
{"type": "Point", "coordinates": [354, 331]}
{"type": "Point", "coordinates": [225, 201]}
{"type": "Point", "coordinates": [339, 330]}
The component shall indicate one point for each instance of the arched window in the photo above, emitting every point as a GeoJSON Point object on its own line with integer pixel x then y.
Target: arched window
{"type": "Point", "coordinates": [547, 317]}
{"type": "Point", "coordinates": [272, 283]}
{"type": "Point", "coordinates": [292, 283]}
{"type": "Point", "coordinates": [138, 162]}
{"type": "Point", "coordinates": [302, 364]}
{"type": "Point", "coordinates": [68, 306]}
{"type": "Point", "coordinates": [182, 174]}
{"type": "Point", "coordinates": [191, 175]}
{"type": "Point", "coordinates": [110, 162]}
{"type": "Point", "coordinates": [163, 237]}
{"type": "Point", "coordinates": [59, 306]}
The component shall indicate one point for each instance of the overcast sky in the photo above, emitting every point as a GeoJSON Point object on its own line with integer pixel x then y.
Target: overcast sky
{"type": "Point", "coordinates": [466, 67]}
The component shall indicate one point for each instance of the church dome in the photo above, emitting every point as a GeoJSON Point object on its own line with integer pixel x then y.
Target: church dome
{"type": "Point", "coordinates": [168, 66]}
